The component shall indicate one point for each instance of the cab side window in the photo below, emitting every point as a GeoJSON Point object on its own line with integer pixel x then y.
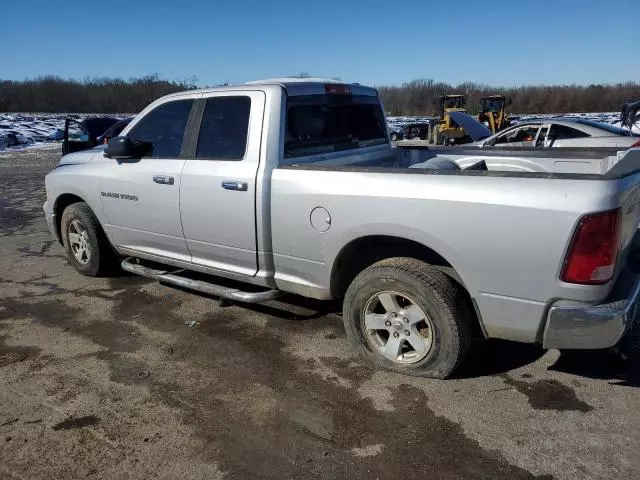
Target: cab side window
{"type": "Point", "coordinates": [164, 128]}
{"type": "Point", "coordinates": [224, 128]}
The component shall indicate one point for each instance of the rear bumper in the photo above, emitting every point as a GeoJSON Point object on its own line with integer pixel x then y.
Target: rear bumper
{"type": "Point", "coordinates": [594, 326]}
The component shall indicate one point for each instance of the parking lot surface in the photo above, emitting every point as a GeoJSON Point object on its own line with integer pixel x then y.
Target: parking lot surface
{"type": "Point", "coordinates": [124, 378]}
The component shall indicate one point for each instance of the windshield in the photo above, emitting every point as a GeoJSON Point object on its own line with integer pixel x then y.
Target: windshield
{"type": "Point", "coordinates": [492, 105]}
{"type": "Point", "coordinates": [328, 123]}
{"type": "Point", "coordinates": [453, 102]}
{"type": "Point", "coordinates": [608, 127]}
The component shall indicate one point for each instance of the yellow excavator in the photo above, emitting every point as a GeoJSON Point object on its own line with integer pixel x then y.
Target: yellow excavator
{"type": "Point", "coordinates": [446, 131]}
{"type": "Point", "coordinates": [493, 112]}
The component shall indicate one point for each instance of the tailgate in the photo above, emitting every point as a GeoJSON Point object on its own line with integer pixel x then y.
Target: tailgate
{"type": "Point", "coordinates": [630, 216]}
{"type": "Point", "coordinates": [603, 236]}
{"type": "Point", "coordinates": [626, 174]}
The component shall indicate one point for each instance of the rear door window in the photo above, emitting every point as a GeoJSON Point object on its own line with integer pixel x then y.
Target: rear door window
{"type": "Point", "coordinates": [164, 127]}
{"type": "Point", "coordinates": [224, 128]}
{"type": "Point", "coordinates": [561, 132]}
{"type": "Point", "coordinates": [327, 123]}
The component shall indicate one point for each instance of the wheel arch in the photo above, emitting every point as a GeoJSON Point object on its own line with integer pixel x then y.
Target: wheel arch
{"type": "Point", "coordinates": [364, 251]}
{"type": "Point", "coordinates": [62, 202]}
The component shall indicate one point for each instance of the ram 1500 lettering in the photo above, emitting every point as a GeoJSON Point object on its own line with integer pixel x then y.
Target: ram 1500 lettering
{"type": "Point", "coordinates": [293, 186]}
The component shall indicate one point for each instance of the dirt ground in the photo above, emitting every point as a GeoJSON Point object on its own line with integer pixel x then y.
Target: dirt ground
{"type": "Point", "coordinates": [105, 379]}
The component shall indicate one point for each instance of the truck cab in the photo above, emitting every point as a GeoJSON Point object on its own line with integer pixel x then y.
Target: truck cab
{"type": "Point", "coordinates": [186, 180]}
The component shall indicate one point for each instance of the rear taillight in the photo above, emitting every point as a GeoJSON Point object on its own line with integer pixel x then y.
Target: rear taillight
{"type": "Point", "coordinates": [591, 260]}
{"type": "Point", "coordinates": [637, 144]}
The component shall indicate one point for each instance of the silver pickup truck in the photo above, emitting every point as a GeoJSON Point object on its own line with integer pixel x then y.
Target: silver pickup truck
{"type": "Point", "coordinates": [249, 191]}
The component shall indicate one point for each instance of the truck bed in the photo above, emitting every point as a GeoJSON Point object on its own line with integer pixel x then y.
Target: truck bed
{"type": "Point", "coordinates": [548, 163]}
{"type": "Point", "coordinates": [551, 160]}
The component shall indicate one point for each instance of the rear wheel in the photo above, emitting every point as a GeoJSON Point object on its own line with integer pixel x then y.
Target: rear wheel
{"type": "Point", "coordinates": [87, 246]}
{"type": "Point", "coordinates": [407, 316]}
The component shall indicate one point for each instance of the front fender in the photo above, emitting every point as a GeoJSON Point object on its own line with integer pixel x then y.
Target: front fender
{"type": "Point", "coordinates": [78, 180]}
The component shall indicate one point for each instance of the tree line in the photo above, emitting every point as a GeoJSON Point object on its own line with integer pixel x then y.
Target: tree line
{"type": "Point", "coordinates": [418, 97]}
{"type": "Point", "coordinates": [92, 95]}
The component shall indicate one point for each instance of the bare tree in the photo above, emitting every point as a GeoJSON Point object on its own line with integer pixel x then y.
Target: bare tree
{"type": "Point", "coordinates": [418, 97]}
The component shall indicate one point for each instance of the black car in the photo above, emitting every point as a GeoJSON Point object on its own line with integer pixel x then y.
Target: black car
{"type": "Point", "coordinates": [87, 133]}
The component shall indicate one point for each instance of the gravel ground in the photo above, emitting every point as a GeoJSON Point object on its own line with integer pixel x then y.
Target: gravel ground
{"type": "Point", "coordinates": [102, 379]}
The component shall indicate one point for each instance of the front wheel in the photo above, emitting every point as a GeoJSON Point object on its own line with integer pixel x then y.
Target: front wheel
{"type": "Point", "coordinates": [407, 316]}
{"type": "Point", "coordinates": [88, 249]}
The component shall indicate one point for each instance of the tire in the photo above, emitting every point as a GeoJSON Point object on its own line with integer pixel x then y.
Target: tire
{"type": "Point", "coordinates": [100, 258]}
{"type": "Point", "coordinates": [447, 335]}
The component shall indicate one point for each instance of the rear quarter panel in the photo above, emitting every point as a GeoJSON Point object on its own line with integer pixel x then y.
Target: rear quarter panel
{"type": "Point", "coordinates": [505, 236]}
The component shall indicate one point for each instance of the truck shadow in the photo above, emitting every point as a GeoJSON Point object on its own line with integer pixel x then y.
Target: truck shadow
{"type": "Point", "coordinates": [494, 357]}
{"type": "Point", "coordinates": [487, 357]}
{"type": "Point", "coordinates": [620, 366]}
{"type": "Point", "coordinates": [293, 307]}
{"type": "Point", "coordinates": [287, 307]}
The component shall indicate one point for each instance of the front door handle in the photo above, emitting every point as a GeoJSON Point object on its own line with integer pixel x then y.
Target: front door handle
{"type": "Point", "coordinates": [163, 179]}
{"type": "Point", "coordinates": [233, 185]}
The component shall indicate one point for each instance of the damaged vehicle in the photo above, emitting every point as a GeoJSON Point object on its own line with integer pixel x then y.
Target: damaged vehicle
{"type": "Point", "coordinates": [292, 185]}
{"type": "Point", "coordinates": [90, 132]}
{"type": "Point", "coordinates": [630, 116]}
{"type": "Point", "coordinates": [550, 133]}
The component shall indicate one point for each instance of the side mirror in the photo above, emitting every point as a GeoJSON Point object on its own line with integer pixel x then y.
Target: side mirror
{"type": "Point", "coordinates": [123, 148]}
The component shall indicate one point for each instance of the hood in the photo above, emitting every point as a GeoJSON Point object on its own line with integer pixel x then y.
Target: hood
{"type": "Point", "coordinates": [476, 130]}
{"type": "Point", "coordinates": [84, 156]}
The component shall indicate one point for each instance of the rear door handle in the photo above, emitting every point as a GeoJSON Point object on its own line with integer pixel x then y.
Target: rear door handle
{"type": "Point", "coordinates": [162, 179]}
{"type": "Point", "coordinates": [233, 185]}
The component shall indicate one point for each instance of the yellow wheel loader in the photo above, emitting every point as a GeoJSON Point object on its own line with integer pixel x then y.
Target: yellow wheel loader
{"type": "Point", "coordinates": [446, 131]}
{"type": "Point", "coordinates": [493, 112]}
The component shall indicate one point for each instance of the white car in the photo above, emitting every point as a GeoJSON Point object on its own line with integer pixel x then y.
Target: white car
{"type": "Point", "coordinates": [562, 132]}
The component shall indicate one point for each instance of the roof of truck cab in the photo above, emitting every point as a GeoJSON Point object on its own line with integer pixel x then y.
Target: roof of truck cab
{"type": "Point", "coordinates": [293, 80]}
{"type": "Point", "coordinates": [293, 86]}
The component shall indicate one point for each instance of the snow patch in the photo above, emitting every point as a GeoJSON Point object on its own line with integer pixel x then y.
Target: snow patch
{"type": "Point", "coordinates": [368, 451]}
{"type": "Point", "coordinates": [21, 130]}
